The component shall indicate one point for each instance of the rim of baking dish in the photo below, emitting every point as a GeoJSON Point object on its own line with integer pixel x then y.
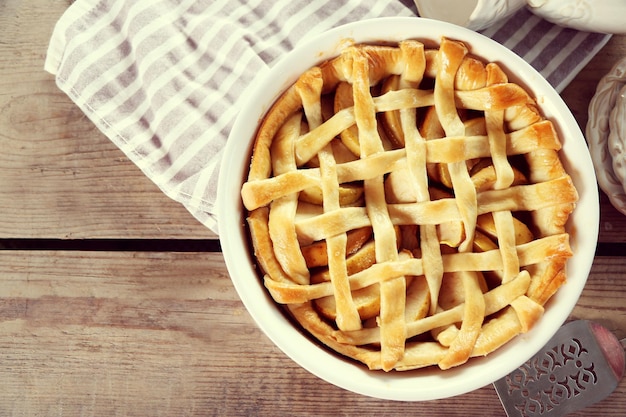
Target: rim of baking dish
{"type": "Point", "coordinates": [430, 383]}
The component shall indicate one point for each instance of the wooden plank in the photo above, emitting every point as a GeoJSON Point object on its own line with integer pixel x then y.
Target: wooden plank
{"type": "Point", "coordinates": [60, 177]}
{"type": "Point", "coordinates": [72, 182]}
{"type": "Point", "coordinates": [612, 222]}
{"type": "Point", "coordinates": [162, 334]}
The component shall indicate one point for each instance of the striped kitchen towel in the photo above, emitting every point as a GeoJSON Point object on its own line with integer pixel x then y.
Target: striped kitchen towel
{"type": "Point", "coordinates": [164, 79]}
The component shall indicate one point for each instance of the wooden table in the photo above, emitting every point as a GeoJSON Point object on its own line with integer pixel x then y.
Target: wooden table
{"type": "Point", "coordinates": [115, 301]}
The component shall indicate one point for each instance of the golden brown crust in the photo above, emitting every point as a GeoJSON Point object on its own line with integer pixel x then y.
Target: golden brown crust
{"type": "Point", "coordinates": [408, 205]}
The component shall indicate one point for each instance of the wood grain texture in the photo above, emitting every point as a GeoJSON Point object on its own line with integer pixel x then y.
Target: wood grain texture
{"type": "Point", "coordinates": [135, 334]}
{"type": "Point", "coordinates": [60, 177]}
{"type": "Point", "coordinates": [128, 333]}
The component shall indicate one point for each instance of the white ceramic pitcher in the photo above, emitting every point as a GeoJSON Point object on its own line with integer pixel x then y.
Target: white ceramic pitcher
{"type": "Point", "coordinates": [607, 16]}
{"type": "Point", "coordinates": [472, 14]}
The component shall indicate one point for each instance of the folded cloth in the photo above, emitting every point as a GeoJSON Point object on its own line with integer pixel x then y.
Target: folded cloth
{"type": "Point", "coordinates": [164, 79]}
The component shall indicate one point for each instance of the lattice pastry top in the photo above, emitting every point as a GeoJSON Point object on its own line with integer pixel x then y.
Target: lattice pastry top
{"type": "Point", "coordinates": [408, 205]}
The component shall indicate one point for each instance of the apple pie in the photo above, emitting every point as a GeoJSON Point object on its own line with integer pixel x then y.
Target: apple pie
{"type": "Point", "coordinates": [406, 203]}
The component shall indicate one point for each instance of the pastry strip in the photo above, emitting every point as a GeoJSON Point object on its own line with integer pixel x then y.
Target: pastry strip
{"type": "Point", "coordinates": [283, 210]}
{"type": "Point", "coordinates": [392, 292]}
